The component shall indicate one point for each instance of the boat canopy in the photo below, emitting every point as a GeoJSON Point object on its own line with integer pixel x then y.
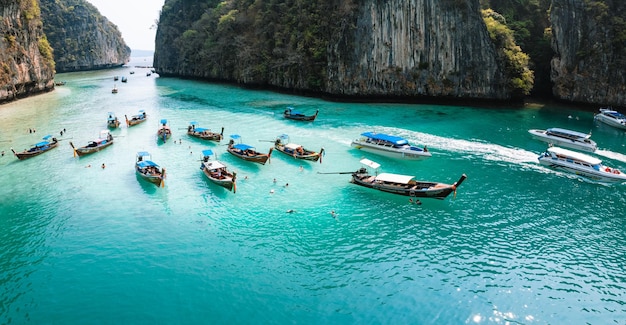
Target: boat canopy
{"type": "Point", "coordinates": [207, 152]}
{"type": "Point", "coordinates": [292, 111]}
{"type": "Point", "coordinates": [143, 154]}
{"type": "Point", "coordinates": [242, 146]}
{"type": "Point", "coordinates": [283, 136]}
{"type": "Point", "coordinates": [235, 136]}
{"type": "Point", "coordinates": [42, 144]}
{"type": "Point", "coordinates": [292, 146]}
{"type": "Point", "coordinates": [146, 163]}
{"type": "Point", "coordinates": [163, 121]}
{"type": "Point", "coordinates": [193, 123]}
{"type": "Point", "coordinates": [398, 141]}
{"type": "Point", "coordinates": [568, 133]}
{"type": "Point", "coordinates": [574, 155]}
{"type": "Point", "coordinates": [394, 178]}
{"type": "Point", "coordinates": [214, 164]}
{"type": "Point", "coordinates": [201, 129]}
{"type": "Point", "coordinates": [47, 137]}
{"type": "Point", "coordinates": [370, 163]}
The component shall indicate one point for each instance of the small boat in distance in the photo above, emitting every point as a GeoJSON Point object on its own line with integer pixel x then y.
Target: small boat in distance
{"type": "Point", "coordinates": [203, 133]}
{"type": "Point", "coordinates": [296, 150]}
{"type": "Point", "coordinates": [580, 164]}
{"type": "Point", "coordinates": [292, 114]}
{"type": "Point", "coordinates": [112, 121]}
{"type": "Point", "coordinates": [104, 140]}
{"type": "Point", "coordinates": [565, 138]}
{"type": "Point", "coordinates": [149, 170]}
{"type": "Point", "coordinates": [116, 78]}
{"type": "Point", "coordinates": [611, 117]}
{"type": "Point", "coordinates": [124, 79]}
{"type": "Point", "coordinates": [164, 132]}
{"type": "Point", "coordinates": [217, 172]}
{"type": "Point", "coordinates": [247, 152]}
{"type": "Point", "coordinates": [136, 119]}
{"type": "Point", "coordinates": [114, 90]}
{"type": "Point", "coordinates": [48, 143]}
{"type": "Point", "coordinates": [390, 146]}
{"type": "Point", "coordinates": [401, 184]}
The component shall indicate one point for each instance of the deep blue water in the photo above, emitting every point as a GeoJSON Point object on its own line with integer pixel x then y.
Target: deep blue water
{"type": "Point", "coordinates": [519, 243]}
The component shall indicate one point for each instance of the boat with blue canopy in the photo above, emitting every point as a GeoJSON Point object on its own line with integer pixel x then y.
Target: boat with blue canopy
{"type": "Point", "coordinates": [164, 132]}
{"type": "Point", "coordinates": [136, 119]}
{"type": "Point", "coordinates": [292, 114]}
{"type": "Point", "coordinates": [390, 146]}
{"type": "Point", "coordinates": [217, 172]}
{"type": "Point", "coordinates": [103, 141]}
{"type": "Point", "coordinates": [112, 121]}
{"type": "Point", "coordinates": [49, 142]}
{"type": "Point", "coordinates": [247, 152]}
{"type": "Point", "coordinates": [203, 133]}
{"type": "Point", "coordinates": [148, 170]}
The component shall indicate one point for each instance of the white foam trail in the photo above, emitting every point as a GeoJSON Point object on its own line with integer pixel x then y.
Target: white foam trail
{"type": "Point", "coordinates": [611, 155]}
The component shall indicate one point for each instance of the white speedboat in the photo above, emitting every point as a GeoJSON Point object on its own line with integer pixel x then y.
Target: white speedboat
{"type": "Point", "coordinates": [390, 146]}
{"type": "Point", "coordinates": [565, 138]}
{"type": "Point", "coordinates": [611, 117]}
{"type": "Point", "coordinates": [581, 164]}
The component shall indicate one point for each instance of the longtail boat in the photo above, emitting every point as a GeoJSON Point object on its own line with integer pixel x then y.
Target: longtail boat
{"type": "Point", "coordinates": [203, 133]}
{"type": "Point", "coordinates": [247, 152]}
{"type": "Point", "coordinates": [48, 143]}
{"type": "Point", "coordinates": [104, 140]}
{"type": "Point", "coordinates": [112, 121]}
{"type": "Point", "coordinates": [292, 114]}
{"type": "Point", "coordinates": [136, 119]}
{"type": "Point", "coordinates": [149, 170]}
{"type": "Point", "coordinates": [296, 151]}
{"type": "Point", "coordinates": [164, 132]}
{"type": "Point", "coordinates": [217, 172]}
{"type": "Point", "coordinates": [401, 184]}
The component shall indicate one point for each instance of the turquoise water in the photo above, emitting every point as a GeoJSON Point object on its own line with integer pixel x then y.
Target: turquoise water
{"type": "Point", "coordinates": [519, 243]}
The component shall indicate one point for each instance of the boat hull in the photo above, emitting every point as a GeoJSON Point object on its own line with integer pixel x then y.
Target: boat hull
{"type": "Point", "coordinates": [207, 136]}
{"type": "Point", "coordinates": [561, 142]}
{"type": "Point", "coordinates": [420, 189]}
{"type": "Point", "coordinates": [257, 157]}
{"type": "Point", "coordinates": [307, 155]}
{"type": "Point", "coordinates": [154, 179]}
{"type": "Point", "coordinates": [32, 153]}
{"type": "Point", "coordinates": [406, 154]}
{"type": "Point", "coordinates": [225, 181]}
{"type": "Point", "coordinates": [300, 117]}
{"type": "Point", "coordinates": [604, 175]}
{"type": "Point", "coordinates": [82, 151]}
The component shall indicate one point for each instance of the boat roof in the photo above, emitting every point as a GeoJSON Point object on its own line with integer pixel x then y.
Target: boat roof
{"type": "Point", "coordinates": [207, 152]}
{"type": "Point", "coordinates": [193, 123]}
{"type": "Point", "coordinates": [163, 121]}
{"type": "Point", "coordinates": [395, 178]}
{"type": "Point", "coordinates": [201, 129]}
{"type": "Point", "coordinates": [370, 163]}
{"type": "Point", "coordinates": [147, 163]}
{"type": "Point", "coordinates": [242, 146]}
{"type": "Point", "coordinates": [293, 111]}
{"type": "Point", "coordinates": [570, 132]}
{"type": "Point", "coordinates": [385, 137]}
{"type": "Point", "coordinates": [575, 155]}
{"type": "Point", "coordinates": [143, 154]}
{"type": "Point", "coordinates": [235, 136]}
{"type": "Point", "coordinates": [46, 137]}
{"type": "Point", "coordinates": [292, 146]}
{"type": "Point", "coordinates": [283, 136]}
{"type": "Point", "coordinates": [214, 164]}
{"type": "Point", "coordinates": [42, 144]}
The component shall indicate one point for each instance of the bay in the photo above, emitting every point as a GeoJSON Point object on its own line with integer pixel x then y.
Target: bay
{"type": "Point", "coordinates": [519, 242]}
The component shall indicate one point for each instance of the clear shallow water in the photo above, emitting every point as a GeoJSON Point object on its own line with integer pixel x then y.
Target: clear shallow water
{"type": "Point", "coordinates": [519, 243]}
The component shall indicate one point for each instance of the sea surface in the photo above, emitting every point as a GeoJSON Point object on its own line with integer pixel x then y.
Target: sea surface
{"type": "Point", "coordinates": [82, 244]}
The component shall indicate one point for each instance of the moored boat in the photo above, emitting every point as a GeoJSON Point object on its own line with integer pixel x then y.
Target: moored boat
{"type": "Point", "coordinates": [104, 140]}
{"type": "Point", "coordinates": [611, 117]}
{"type": "Point", "coordinates": [164, 132]}
{"type": "Point", "coordinates": [217, 172]}
{"type": "Point", "coordinates": [401, 184]}
{"type": "Point", "coordinates": [247, 152]}
{"type": "Point", "coordinates": [124, 79]}
{"type": "Point", "coordinates": [203, 133]}
{"type": "Point", "coordinates": [114, 90]}
{"type": "Point", "coordinates": [390, 146]}
{"type": "Point", "coordinates": [136, 119]}
{"type": "Point", "coordinates": [297, 151]}
{"type": "Point", "coordinates": [48, 143]}
{"type": "Point", "coordinates": [565, 138]}
{"type": "Point", "coordinates": [292, 114]}
{"type": "Point", "coordinates": [112, 121]}
{"type": "Point", "coordinates": [580, 164]}
{"type": "Point", "coordinates": [149, 170]}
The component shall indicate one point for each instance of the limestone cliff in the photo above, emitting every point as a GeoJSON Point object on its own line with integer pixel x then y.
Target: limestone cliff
{"type": "Point", "coordinates": [590, 51]}
{"type": "Point", "coordinates": [81, 37]}
{"type": "Point", "coordinates": [26, 63]}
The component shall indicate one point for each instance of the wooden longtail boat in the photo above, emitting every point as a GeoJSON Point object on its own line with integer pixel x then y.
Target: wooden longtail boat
{"type": "Point", "coordinates": [136, 119]}
{"type": "Point", "coordinates": [48, 143]}
{"type": "Point", "coordinates": [401, 184]}
{"type": "Point", "coordinates": [247, 152]}
{"type": "Point", "coordinates": [217, 172]}
{"type": "Point", "coordinates": [296, 150]}
{"type": "Point", "coordinates": [105, 140]}
{"type": "Point", "coordinates": [149, 170]}
{"type": "Point", "coordinates": [203, 133]}
{"type": "Point", "coordinates": [112, 121]}
{"type": "Point", "coordinates": [292, 114]}
{"type": "Point", "coordinates": [164, 132]}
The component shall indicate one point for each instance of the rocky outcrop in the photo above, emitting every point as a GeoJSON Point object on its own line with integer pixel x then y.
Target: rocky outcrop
{"type": "Point", "coordinates": [81, 37]}
{"type": "Point", "coordinates": [26, 63]}
{"type": "Point", "coordinates": [590, 51]}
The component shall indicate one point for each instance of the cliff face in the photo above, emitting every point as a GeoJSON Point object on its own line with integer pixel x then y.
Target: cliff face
{"type": "Point", "coordinates": [395, 48]}
{"type": "Point", "coordinates": [590, 51]}
{"type": "Point", "coordinates": [26, 64]}
{"type": "Point", "coordinates": [82, 39]}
